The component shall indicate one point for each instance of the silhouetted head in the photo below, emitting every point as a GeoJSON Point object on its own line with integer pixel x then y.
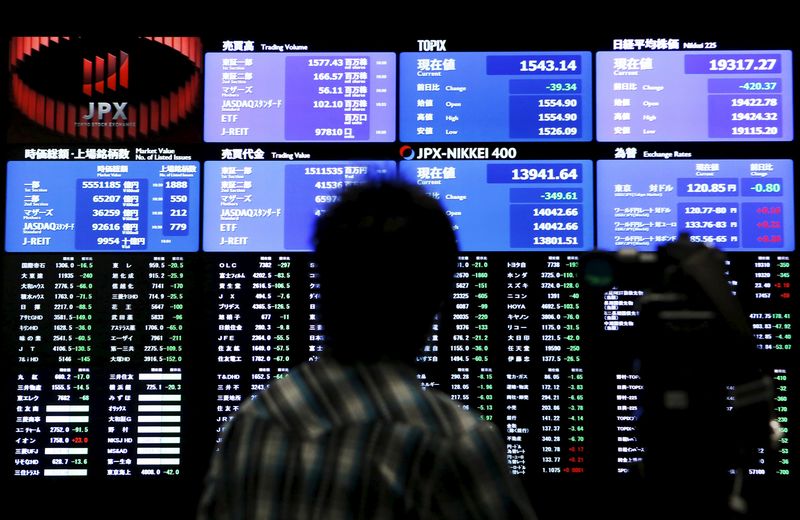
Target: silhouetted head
{"type": "Point", "coordinates": [386, 254]}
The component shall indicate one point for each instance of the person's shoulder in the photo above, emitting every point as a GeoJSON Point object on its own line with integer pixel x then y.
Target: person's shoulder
{"type": "Point", "coordinates": [399, 397]}
{"type": "Point", "coordinates": [297, 403]}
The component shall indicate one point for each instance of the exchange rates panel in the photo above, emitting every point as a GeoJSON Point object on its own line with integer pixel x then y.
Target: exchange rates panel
{"type": "Point", "coordinates": [58, 206]}
{"type": "Point", "coordinates": [300, 97]}
{"type": "Point", "coordinates": [512, 205]}
{"type": "Point", "coordinates": [738, 205]}
{"type": "Point", "coordinates": [508, 96]}
{"type": "Point", "coordinates": [695, 96]}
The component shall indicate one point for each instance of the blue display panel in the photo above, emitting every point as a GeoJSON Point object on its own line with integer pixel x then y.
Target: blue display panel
{"type": "Point", "coordinates": [512, 205]}
{"type": "Point", "coordinates": [694, 96]}
{"type": "Point", "coordinates": [738, 205]}
{"type": "Point", "coordinates": [272, 206]}
{"type": "Point", "coordinates": [500, 96]}
{"type": "Point", "coordinates": [66, 206]}
{"type": "Point", "coordinates": [300, 97]}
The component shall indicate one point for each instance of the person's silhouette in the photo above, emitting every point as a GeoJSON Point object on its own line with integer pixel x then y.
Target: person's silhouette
{"type": "Point", "coordinates": [353, 435]}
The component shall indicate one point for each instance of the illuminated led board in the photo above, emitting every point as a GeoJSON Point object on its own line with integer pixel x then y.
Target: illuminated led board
{"type": "Point", "coordinates": [300, 97]}
{"type": "Point", "coordinates": [737, 205]}
{"type": "Point", "coordinates": [512, 205]}
{"type": "Point", "coordinates": [271, 206]}
{"type": "Point", "coordinates": [694, 96]}
{"type": "Point", "coordinates": [65, 206]}
{"type": "Point", "coordinates": [508, 96]}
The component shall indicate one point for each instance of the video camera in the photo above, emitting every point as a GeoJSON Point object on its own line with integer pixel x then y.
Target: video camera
{"type": "Point", "coordinates": [693, 348]}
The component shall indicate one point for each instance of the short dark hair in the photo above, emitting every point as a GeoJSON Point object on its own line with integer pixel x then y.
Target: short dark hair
{"type": "Point", "coordinates": [386, 254]}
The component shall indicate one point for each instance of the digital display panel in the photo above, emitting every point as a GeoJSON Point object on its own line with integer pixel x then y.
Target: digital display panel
{"type": "Point", "coordinates": [303, 97]}
{"type": "Point", "coordinates": [97, 88]}
{"type": "Point", "coordinates": [479, 96]}
{"type": "Point", "coordinates": [736, 205]}
{"type": "Point", "coordinates": [98, 364]}
{"type": "Point", "coordinates": [695, 96]}
{"type": "Point", "coordinates": [512, 205]}
{"type": "Point", "coordinates": [124, 362]}
{"type": "Point", "coordinates": [64, 206]}
{"type": "Point", "coordinates": [271, 206]}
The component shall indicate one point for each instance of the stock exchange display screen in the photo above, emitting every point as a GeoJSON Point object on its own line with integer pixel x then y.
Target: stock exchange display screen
{"type": "Point", "coordinates": [457, 97]}
{"type": "Point", "coordinates": [694, 96]}
{"type": "Point", "coordinates": [159, 201]}
{"type": "Point", "coordinates": [90, 206]}
{"type": "Point", "coordinates": [532, 205]}
{"type": "Point", "coordinates": [300, 97]}
{"type": "Point", "coordinates": [272, 206]}
{"type": "Point", "coordinates": [740, 205]}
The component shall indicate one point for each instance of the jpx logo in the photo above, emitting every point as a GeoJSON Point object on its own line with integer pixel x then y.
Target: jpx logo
{"type": "Point", "coordinates": [102, 75]}
{"type": "Point", "coordinates": [104, 108]}
{"type": "Point", "coordinates": [109, 73]}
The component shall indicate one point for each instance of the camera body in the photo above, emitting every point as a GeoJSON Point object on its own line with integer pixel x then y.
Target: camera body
{"type": "Point", "coordinates": [693, 349]}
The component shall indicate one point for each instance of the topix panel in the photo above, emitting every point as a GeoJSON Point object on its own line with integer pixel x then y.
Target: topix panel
{"type": "Point", "coordinates": [66, 206]}
{"type": "Point", "coordinates": [736, 205]}
{"type": "Point", "coordinates": [300, 97]}
{"type": "Point", "coordinates": [272, 206]}
{"type": "Point", "coordinates": [512, 205]}
{"type": "Point", "coordinates": [695, 96]}
{"type": "Point", "coordinates": [499, 96]}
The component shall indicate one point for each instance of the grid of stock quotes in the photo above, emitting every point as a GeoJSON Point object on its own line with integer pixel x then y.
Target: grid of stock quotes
{"type": "Point", "coordinates": [158, 271]}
